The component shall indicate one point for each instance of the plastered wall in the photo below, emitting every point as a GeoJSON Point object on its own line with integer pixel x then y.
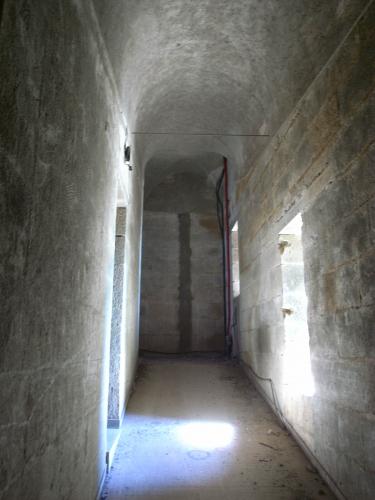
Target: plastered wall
{"type": "Point", "coordinates": [182, 294]}
{"type": "Point", "coordinates": [61, 145]}
{"type": "Point", "coordinates": [321, 164]}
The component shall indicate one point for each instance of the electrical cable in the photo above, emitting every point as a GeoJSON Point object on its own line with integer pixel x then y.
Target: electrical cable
{"type": "Point", "coordinates": [284, 422]}
{"type": "Point", "coordinates": [273, 390]}
{"type": "Point", "coordinates": [202, 134]}
{"type": "Point", "coordinates": [220, 216]}
{"type": "Point", "coordinates": [287, 425]}
{"type": "Point", "coordinates": [219, 203]}
{"type": "Point", "coordinates": [228, 258]}
{"type": "Point", "coordinates": [222, 208]}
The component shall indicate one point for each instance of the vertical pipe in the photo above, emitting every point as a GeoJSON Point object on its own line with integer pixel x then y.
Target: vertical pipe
{"type": "Point", "coordinates": [227, 255]}
{"type": "Point", "coordinates": [220, 218]}
{"type": "Point", "coordinates": [1, 10]}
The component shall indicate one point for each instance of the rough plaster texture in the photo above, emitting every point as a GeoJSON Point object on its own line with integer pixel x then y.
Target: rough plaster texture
{"type": "Point", "coordinates": [133, 247]}
{"type": "Point", "coordinates": [182, 297]}
{"type": "Point", "coordinates": [241, 66]}
{"type": "Point", "coordinates": [60, 147]}
{"type": "Point", "coordinates": [160, 279]}
{"type": "Point", "coordinates": [321, 163]}
{"type": "Point", "coordinates": [117, 344]}
{"type": "Point", "coordinates": [215, 66]}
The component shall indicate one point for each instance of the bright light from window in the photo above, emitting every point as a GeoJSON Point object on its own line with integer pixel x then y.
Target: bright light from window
{"type": "Point", "coordinates": [206, 435]}
{"type": "Point", "coordinates": [298, 377]}
{"type": "Point", "coordinates": [235, 262]}
{"type": "Point", "coordinates": [294, 226]}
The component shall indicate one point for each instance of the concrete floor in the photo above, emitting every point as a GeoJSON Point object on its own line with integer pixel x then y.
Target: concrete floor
{"type": "Point", "coordinates": [196, 429]}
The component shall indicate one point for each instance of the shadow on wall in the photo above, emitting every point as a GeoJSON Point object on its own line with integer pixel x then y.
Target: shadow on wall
{"type": "Point", "coordinates": [182, 297]}
{"type": "Point", "coordinates": [1, 10]}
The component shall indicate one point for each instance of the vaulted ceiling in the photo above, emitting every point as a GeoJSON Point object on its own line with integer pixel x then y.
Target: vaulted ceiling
{"type": "Point", "coordinates": [201, 76]}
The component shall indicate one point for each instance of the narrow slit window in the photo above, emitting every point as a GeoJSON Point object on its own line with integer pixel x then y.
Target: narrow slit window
{"type": "Point", "coordinates": [298, 377]}
{"type": "Point", "coordinates": [235, 262]}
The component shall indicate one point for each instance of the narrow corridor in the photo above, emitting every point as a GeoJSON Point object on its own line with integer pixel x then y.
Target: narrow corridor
{"type": "Point", "coordinates": [182, 177]}
{"type": "Point", "coordinates": [196, 429]}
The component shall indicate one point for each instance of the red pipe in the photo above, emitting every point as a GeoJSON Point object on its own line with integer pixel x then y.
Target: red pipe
{"type": "Point", "coordinates": [227, 254]}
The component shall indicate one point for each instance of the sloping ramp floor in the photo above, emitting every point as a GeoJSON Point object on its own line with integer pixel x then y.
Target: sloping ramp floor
{"type": "Point", "coordinates": [196, 429]}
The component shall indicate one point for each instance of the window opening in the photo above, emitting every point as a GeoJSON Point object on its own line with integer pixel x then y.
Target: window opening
{"type": "Point", "coordinates": [297, 370]}
{"type": "Point", "coordinates": [235, 262]}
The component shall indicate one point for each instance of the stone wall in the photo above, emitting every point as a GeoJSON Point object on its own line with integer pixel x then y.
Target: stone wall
{"type": "Point", "coordinates": [321, 163]}
{"type": "Point", "coordinates": [182, 297]}
{"type": "Point", "coordinates": [117, 345]}
{"type": "Point", "coordinates": [61, 145]}
{"type": "Point", "coordinates": [182, 294]}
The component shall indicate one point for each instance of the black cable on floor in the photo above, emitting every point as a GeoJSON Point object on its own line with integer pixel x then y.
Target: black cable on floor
{"type": "Point", "coordinates": [273, 391]}
{"type": "Point", "coordinates": [287, 425]}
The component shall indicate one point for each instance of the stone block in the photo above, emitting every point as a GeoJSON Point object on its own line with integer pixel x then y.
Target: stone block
{"type": "Point", "coordinates": [356, 437]}
{"type": "Point", "coordinates": [348, 239]}
{"type": "Point", "coordinates": [367, 279]}
{"type": "Point", "coordinates": [355, 481]}
{"type": "Point", "coordinates": [362, 176]}
{"type": "Point", "coordinates": [354, 332]}
{"type": "Point", "coordinates": [346, 383]}
{"type": "Point", "coordinates": [325, 422]}
{"type": "Point", "coordinates": [323, 338]}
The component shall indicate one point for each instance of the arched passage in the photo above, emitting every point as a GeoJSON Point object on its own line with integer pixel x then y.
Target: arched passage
{"type": "Point", "coordinates": [182, 276]}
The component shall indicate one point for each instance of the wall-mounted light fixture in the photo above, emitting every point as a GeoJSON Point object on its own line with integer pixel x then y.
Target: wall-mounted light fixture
{"type": "Point", "coordinates": [127, 156]}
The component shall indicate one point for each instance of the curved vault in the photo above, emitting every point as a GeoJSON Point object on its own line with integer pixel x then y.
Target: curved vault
{"type": "Point", "coordinates": [217, 67]}
{"type": "Point", "coordinates": [203, 167]}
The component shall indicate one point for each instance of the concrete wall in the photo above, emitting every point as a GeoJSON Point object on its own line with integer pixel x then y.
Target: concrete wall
{"type": "Point", "coordinates": [321, 163]}
{"type": "Point", "coordinates": [61, 146]}
{"type": "Point", "coordinates": [182, 295]}
{"type": "Point", "coordinates": [118, 325]}
{"type": "Point", "coordinates": [133, 246]}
